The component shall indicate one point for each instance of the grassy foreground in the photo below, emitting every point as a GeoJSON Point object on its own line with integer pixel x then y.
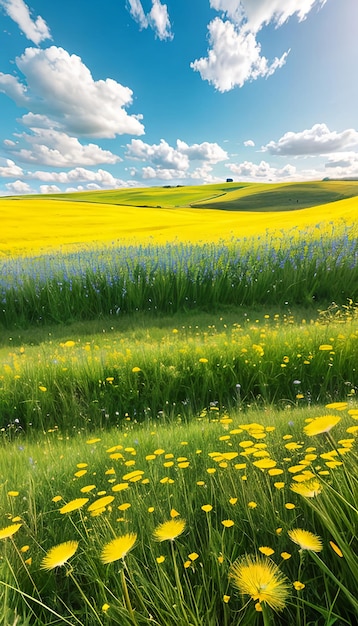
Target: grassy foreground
{"type": "Point", "coordinates": [229, 519]}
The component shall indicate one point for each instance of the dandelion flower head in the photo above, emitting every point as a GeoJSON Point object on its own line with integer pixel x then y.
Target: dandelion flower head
{"type": "Point", "coordinates": [321, 425]}
{"type": "Point", "coordinates": [118, 548]}
{"type": "Point", "coordinates": [306, 540]}
{"type": "Point", "coordinates": [59, 555]}
{"type": "Point", "coordinates": [168, 531]}
{"type": "Point", "coordinates": [261, 579]}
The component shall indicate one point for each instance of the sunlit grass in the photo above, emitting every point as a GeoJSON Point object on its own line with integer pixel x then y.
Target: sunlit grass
{"type": "Point", "coordinates": [212, 491]}
{"type": "Point", "coordinates": [154, 371]}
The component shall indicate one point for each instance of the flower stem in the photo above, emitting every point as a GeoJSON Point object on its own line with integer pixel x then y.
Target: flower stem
{"type": "Point", "coordinates": [126, 596]}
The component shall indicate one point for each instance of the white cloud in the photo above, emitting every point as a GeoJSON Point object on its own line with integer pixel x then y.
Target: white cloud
{"type": "Point", "coordinates": [234, 57]}
{"type": "Point", "coordinates": [49, 189]}
{"type": "Point", "coordinates": [263, 171]}
{"type": "Point", "coordinates": [61, 92]}
{"type": "Point", "coordinates": [342, 165]}
{"type": "Point", "coordinates": [205, 151]}
{"type": "Point", "coordinates": [161, 155]}
{"type": "Point", "coordinates": [158, 18]}
{"type": "Point", "coordinates": [137, 12]}
{"type": "Point", "coordinates": [56, 149]}
{"type": "Point", "coordinates": [313, 141]}
{"type": "Point", "coordinates": [249, 143]}
{"type": "Point", "coordinates": [35, 30]}
{"type": "Point", "coordinates": [19, 187]}
{"type": "Point", "coordinates": [10, 170]}
{"type": "Point", "coordinates": [204, 175]}
{"type": "Point", "coordinates": [150, 173]}
{"type": "Point", "coordinates": [78, 174]}
{"type": "Point", "coordinates": [257, 13]}
{"type": "Point", "coordinates": [165, 157]}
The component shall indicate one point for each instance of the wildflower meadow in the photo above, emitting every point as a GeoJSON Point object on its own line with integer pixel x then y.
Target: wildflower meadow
{"type": "Point", "coordinates": [178, 419]}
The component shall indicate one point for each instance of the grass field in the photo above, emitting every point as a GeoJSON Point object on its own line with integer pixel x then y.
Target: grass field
{"type": "Point", "coordinates": [178, 407]}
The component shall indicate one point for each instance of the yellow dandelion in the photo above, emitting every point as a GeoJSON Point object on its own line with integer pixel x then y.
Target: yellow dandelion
{"type": "Point", "coordinates": [100, 503]}
{"type": "Point", "coordinates": [59, 555]}
{"type": "Point", "coordinates": [261, 579]}
{"type": "Point", "coordinates": [321, 425]}
{"type": "Point", "coordinates": [124, 507]}
{"type": "Point", "coordinates": [118, 548]}
{"type": "Point", "coordinates": [13, 494]}
{"type": "Point", "coordinates": [160, 559]}
{"type": "Point", "coordinates": [226, 598]}
{"type": "Point", "coordinates": [73, 505]}
{"type": "Point", "coordinates": [286, 555]}
{"type": "Point", "coordinates": [265, 463]}
{"type": "Point", "coordinates": [9, 531]}
{"type": "Point", "coordinates": [203, 360]}
{"type": "Point", "coordinates": [227, 523]}
{"type": "Point", "coordinates": [324, 347]}
{"type": "Point", "coordinates": [105, 607]}
{"type": "Point", "coordinates": [266, 550]}
{"type": "Point", "coordinates": [135, 370]}
{"type": "Point", "coordinates": [69, 344]}
{"type": "Point", "coordinates": [168, 531]}
{"type": "Point", "coordinates": [308, 488]}
{"type": "Point", "coordinates": [193, 556]}
{"type": "Point", "coordinates": [87, 488]}
{"type": "Point", "coordinates": [306, 540]}
{"type": "Point", "coordinates": [207, 508]}
{"type": "Point", "coordinates": [252, 505]}
{"type": "Point", "coordinates": [174, 513]}
{"type": "Point", "coordinates": [339, 406]}
{"type": "Point", "coordinates": [298, 585]}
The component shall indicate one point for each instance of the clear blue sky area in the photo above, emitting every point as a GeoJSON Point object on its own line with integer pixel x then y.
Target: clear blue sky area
{"type": "Point", "coordinates": [128, 93]}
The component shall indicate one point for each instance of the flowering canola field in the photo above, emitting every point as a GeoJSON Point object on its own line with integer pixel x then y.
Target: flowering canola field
{"type": "Point", "coordinates": [43, 223]}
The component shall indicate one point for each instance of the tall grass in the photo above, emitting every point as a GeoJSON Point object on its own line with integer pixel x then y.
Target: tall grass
{"type": "Point", "coordinates": [238, 482]}
{"type": "Point", "coordinates": [115, 280]}
{"type": "Point", "coordinates": [153, 372]}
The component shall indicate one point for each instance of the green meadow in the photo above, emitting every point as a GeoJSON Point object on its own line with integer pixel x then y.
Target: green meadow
{"type": "Point", "coordinates": [178, 419]}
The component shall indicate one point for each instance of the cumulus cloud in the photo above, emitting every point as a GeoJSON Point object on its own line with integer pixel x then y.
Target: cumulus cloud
{"type": "Point", "coordinates": [10, 170]}
{"type": "Point", "coordinates": [78, 174]}
{"type": "Point", "coordinates": [49, 189]}
{"type": "Point", "coordinates": [249, 143]}
{"type": "Point", "coordinates": [205, 151]}
{"type": "Point", "coordinates": [234, 56]}
{"type": "Point", "coordinates": [19, 187]}
{"type": "Point", "coordinates": [256, 13]}
{"type": "Point", "coordinates": [157, 18]}
{"type": "Point", "coordinates": [34, 29]}
{"type": "Point", "coordinates": [262, 171]}
{"type": "Point", "coordinates": [160, 173]}
{"type": "Point", "coordinates": [313, 141]}
{"type": "Point", "coordinates": [165, 157]}
{"type": "Point", "coordinates": [60, 92]}
{"type": "Point", "coordinates": [56, 149]}
{"type": "Point", "coordinates": [342, 165]}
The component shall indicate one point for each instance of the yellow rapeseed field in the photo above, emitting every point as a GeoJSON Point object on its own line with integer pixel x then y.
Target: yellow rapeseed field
{"type": "Point", "coordinates": [41, 224]}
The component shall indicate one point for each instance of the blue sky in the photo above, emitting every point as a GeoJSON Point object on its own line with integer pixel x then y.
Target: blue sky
{"type": "Point", "coordinates": [125, 93]}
